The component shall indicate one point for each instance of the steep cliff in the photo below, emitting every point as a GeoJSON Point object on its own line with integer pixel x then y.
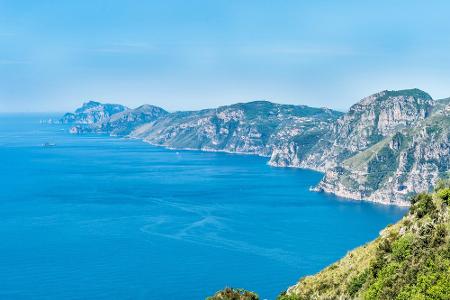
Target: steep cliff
{"type": "Point", "coordinates": [112, 119]}
{"type": "Point", "coordinates": [366, 123]}
{"type": "Point", "coordinates": [254, 127]}
{"type": "Point", "coordinates": [386, 147]}
{"type": "Point", "coordinates": [91, 113]}
{"type": "Point", "coordinates": [409, 260]}
{"type": "Point", "coordinates": [126, 121]}
{"type": "Point", "coordinates": [407, 162]}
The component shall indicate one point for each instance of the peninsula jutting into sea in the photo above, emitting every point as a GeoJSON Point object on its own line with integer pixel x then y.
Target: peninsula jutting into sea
{"type": "Point", "coordinates": [224, 150]}
{"type": "Point", "coordinates": [386, 148]}
{"type": "Point", "coordinates": [392, 147]}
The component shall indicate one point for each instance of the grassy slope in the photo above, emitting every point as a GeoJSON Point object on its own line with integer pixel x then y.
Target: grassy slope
{"type": "Point", "coordinates": [410, 260]}
{"type": "Point", "coordinates": [359, 161]}
{"type": "Point", "coordinates": [233, 294]}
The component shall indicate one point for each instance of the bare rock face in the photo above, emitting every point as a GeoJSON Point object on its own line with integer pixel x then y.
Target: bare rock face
{"type": "Point", "coordinates": [388, 146]}
{"type": "Point", "coordinates": [252, 128]}
{"type": "Point", "coordinates": [285, 156]}
{"type": "Point", "coordinates": [124, 122]}
{"type": "Point", "coordinates": [405, 163]}
{"type": "Point", "coordinates": [92, 112]}
{"type": "Point", "coordinates": [380, 115]}
{"type": "Point", "coordinates": [112, 119]}
{"type": "Point", "coordinates": [366, 123]}
{"type": "Point", "coordinates": [346, 152]}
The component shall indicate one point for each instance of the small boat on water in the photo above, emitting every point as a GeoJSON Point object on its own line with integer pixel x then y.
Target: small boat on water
{"type": "Point", "coordinates": [47, 144]}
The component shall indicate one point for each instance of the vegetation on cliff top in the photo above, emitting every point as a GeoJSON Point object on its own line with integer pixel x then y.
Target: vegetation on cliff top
{"type": "Point", "coordinates": [233, 294]}
{"type": "Point", "coordinates": [410, 260]}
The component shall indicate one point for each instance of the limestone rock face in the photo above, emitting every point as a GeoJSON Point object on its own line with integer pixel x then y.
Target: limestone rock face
{"type": "Point", "coordinates": [366, 123]}
{"type": "Point", "coordinates": [124, 122]}
{"type": "Point", "coordinates": [404, 163]}
{"type": "Point", "coordinates": [385, 148]}
{"type": "Point", "coordinates": [388, 146]}
{"type": "Point", "coordinates": [92, 112]}
{"type": "Point", "coordinates": [380, 115]}
{"type": "Point", "coordinates": [112, 119]}
{"type": "Point", "coordinates": [254, 128]}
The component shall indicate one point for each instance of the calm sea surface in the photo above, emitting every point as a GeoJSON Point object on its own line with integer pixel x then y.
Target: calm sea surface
{"type": "Point", "coordinates": [97, 217]}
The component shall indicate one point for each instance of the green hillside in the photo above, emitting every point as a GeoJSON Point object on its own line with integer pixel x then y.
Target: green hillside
{"type": "Point", "coordinates": [410, 259]}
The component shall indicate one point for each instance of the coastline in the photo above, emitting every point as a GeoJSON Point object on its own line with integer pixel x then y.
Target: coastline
{"type": "Point", "coordinates": [318, 188]}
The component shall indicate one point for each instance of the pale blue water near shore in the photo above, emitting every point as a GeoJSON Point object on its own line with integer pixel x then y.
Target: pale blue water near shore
{"type": "Point", "coordinates": [107, 218]}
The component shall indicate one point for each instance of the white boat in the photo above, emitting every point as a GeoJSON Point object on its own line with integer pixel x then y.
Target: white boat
{"type": "Point", "coordinates": [48, 145]}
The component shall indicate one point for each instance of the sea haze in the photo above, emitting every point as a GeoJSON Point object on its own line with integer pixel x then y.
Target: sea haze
{"type": "Point", "coordinates": [96, 217]}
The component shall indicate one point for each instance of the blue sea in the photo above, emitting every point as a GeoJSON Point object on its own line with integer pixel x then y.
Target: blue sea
{"type": "Point", "coordinates": [97, 217]}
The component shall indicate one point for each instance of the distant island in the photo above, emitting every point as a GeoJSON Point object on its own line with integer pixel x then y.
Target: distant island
{"type": "Point", "coordinates": [386, 148]}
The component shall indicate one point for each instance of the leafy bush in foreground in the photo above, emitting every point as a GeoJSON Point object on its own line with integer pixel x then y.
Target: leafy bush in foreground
{"type": "Point", "coordinates": [410, 259]}
{"type": "Point", "coordinates": [233, 294]}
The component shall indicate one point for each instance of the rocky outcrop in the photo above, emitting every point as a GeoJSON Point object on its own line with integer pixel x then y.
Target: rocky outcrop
{"type": "Point", "coordinates": [253, 128]}
{"type": "Point", "coordinates": [111, 119]}
{"type": "Point", "coordinates": [405, 163]}
{"type": "Point", "coordinates": [126, 121]}
{"type": "Point", "coordinates": [382, 150]}
{"type": "Point", "coordinates": [388, 146]}
{"type": "Point", "coordinates": [92, 113]}
{"type": "Point", "coordinates": [367, 122]}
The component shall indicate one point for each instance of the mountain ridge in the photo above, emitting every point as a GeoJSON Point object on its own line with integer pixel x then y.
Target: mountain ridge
{"type": "Point", "coordinates": [243, 127]}
{"type": "Point", "coordinates": [388, 126]}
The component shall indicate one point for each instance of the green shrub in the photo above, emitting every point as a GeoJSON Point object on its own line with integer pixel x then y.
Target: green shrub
{"type": "Point", "coordinates": [411, 260]}
{"type": "Point", "coordinates": [385, 246]}
{"type": "Point", "coordinates": [444, 195]}
{"type": "Point", "coordinates": [357, 282]}
{"type": "Point", "coordinates": [422, 204]}
{"type": "Point", "coordinates": [443, 184]}
{"type": "Point", "coordinates": [233, 294]}
{"type": "Point", "coordinates": [284, 296]}
{"type": "Point", "coordinates": [402, 248]}
{"type": "Point", "coordinates": [439, 235]}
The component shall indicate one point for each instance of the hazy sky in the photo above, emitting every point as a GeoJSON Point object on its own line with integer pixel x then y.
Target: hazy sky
{"type": "Point", "coordinates": [54, 55]}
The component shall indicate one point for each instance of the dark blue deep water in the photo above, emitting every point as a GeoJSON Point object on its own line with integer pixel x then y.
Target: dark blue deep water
{"type": "Point", "coordinates": [107, 218]}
